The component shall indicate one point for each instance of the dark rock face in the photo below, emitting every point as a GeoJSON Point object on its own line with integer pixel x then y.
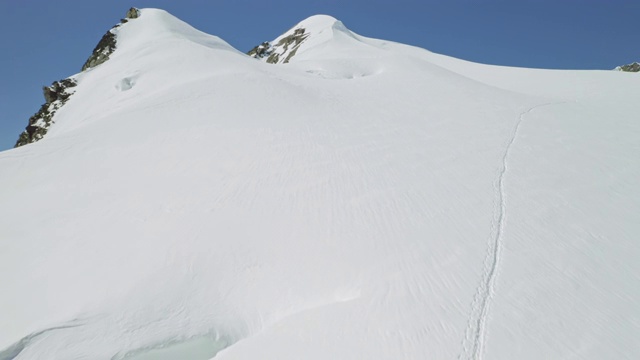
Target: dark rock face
{"type": "Point", "coordinates": [107, 45]}
{"type": "Point", "coordinates": [283, 51]}
{"type": "Point", "coordinates": [55, 96]}
{"type": "Point", "coordinates": [634, 67]}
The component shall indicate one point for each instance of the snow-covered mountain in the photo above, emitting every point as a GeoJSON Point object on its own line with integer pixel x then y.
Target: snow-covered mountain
{"type": "Point", "coordinates": [298, 40]}
{"type": "Point", "coordinates": [357, 199]}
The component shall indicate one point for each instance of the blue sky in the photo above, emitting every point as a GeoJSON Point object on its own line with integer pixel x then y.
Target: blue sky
{"type": "Point", "coordinates": [45, 41]}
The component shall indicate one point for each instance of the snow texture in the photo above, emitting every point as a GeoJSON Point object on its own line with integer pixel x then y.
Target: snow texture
{"type": "Point", "coordinates": [366, 200]}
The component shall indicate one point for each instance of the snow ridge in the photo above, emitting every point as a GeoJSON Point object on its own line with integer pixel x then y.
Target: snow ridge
{"type": "Point", "coordinates": [14, 350]}
{"type": "Point", "coordinates": [477, 322]}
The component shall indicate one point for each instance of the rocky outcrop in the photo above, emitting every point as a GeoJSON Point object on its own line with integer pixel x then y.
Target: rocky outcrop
{"type": "Point", "coordinates": [133, 13]}
{"type": "Point", "coordinates": [261, 51]}
{"type": "Point", "coordinates": [633, 67]}
{"type": "Point", "coordinates": [55, 97]}
{"type": "Point", "coordinates": [282, 51]}
{"type": "Point", "coordinates": [107, 45]}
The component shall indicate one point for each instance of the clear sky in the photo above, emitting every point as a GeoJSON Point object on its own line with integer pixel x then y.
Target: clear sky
{"type": "Point", "coordinates": [43, 41]}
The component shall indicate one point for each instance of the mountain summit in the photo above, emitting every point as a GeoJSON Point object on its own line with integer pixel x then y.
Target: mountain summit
{"type": "Point", "coordinates": [134, 32]}
{"type": "Point", "coordinates": [107, 44]}
{"type": "Point", "coordinates": [312, 32]}
{"type": "Point", "coordinates": [357, 199]}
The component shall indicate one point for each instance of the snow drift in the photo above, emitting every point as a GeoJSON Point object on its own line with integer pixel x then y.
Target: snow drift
{"type": "Point", "coordinates": [365, 200]}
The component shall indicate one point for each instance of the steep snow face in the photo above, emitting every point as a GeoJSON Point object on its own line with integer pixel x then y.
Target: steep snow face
{"type": "Point", "coordinates": [366, 200]}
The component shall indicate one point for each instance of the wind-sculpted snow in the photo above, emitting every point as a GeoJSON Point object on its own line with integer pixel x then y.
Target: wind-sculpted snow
{"type": "Point", "coordinates": [366, 200]}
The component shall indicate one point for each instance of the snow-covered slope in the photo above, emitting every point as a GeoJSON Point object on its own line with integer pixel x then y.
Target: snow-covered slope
{"type": "Point", "coordinates": [365, 200]}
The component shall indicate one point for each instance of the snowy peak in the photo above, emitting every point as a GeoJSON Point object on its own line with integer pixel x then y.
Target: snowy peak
{"type": "Point", "coordinates": [307, 34]}
{"type": "Point", "coordinates": [150, 25]}
{"type": "Point", "coordinates": [161, 36]}
{"type": "Point", "coordinates": [156, 25]}
{"type": "Point", "coordinates": [319, 24]}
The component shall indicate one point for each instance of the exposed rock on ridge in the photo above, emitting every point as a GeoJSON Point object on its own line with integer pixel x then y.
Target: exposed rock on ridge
{"type": "Point", "coordinates": [133, 13]}
{"type": "Point", "coordinates": [55, 97]}
{"type": "Point", "coordinates": [281, 52]}
{"type": "Point", "coordinates": [316, 34]}
{"type": "Point", "coordinates": [261, 51]}
{"type": "Point", "coordinates": [107, 45]}
{"type": "Point", "coordinates": [633, 67]}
